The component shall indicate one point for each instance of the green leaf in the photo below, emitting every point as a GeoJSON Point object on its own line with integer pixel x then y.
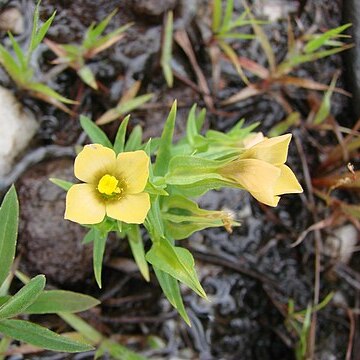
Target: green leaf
{"type": "Point", "coordinates": [94, 31]}
{"type": "Point", "coordinates": [227, 16]}
{"type": "Point", "coordinates": [98, 254]}
{"type": "Point", "coordinates": [4, 299]}
{"type": "Point", "coordinates": [87, 76]}
{"type": "Point", "coordinates": [39, 336]}
{"type": "Point", "coordinates": [236, 36]}
{"type": "Point", "coordinates": [217, 15]}
{"type": "Point", "coordinates": [166, 51]}
{"type": "Point", "coordinates": [82, 327]}
{"type": "Point", "coordinates": [132, 104]}
{"type": "Point", "coordinates": [283, 126]}
{"type": "Point", "coordinates": [96, 135]}
{"type": "Point", "coordinates": [11, 66]}
{"type": "Point", "coordinates": [9, 217]}
{"type": "Point", "coordinates": [288, 65]}
{"type": "Point", "coordinates": [63, 184]}
{"type": "Point", "coordinates": [19, 53]}
{"type": "Point", "coordinates": [325, 107]}
{"type": "Point", "coordinates": [153, 222]}
{"type": "Point", "coordinates": [233, 57]}
{"type": "Point", "coordinates": [320, 40]}
{"type": "Point", "coordinates": [164, 153]}
{"type": "Point", "coordinates": [135, 138]}
{"type": "Point", "coordinates": [37, 35]}
{"type": "Point", "coordinates": [177, 262]}
{"type": "Point", "coordinates": [119, 143]}
{"type": "Point", "coordinates": [199, 188]}
{"type": "Point", "coordinates": [191, 126]}
{"type": "Point", "coordinates": [89, 237]}
{"type": "Point", "coordinates": [264, 42]}
{"type": "Point", "coordinates": [137, 248]}
{"type": "Point", "coordinates": [23, 298]}
{"type": "Point", "coordinates": [171, 289]}
{"type": "Point", "coordinates": [54, 301]}
{"type": "Point", "coordinates": [44, 89]}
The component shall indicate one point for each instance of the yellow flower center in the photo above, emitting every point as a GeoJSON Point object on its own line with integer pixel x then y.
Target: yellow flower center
{"type": "Point", "coordinates": [108, 185]}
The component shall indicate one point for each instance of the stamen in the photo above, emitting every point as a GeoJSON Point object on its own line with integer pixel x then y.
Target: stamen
{"type": "Point", "coordinates": [108, 185]}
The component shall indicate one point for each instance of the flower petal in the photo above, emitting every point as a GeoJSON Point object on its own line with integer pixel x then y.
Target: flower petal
{"type": "Point", "coordinates": [256, 176]}
{"type": "Point", "coordinates": [131, 209]}
{"type": "Point", "coordinates": [83, 206]}
{"type": "Point", "coordinates": [273, 151]}
{"type": "Point", "coordinates": [133, 167]}
{"type": "Point", "coordinates": [287, 182]}
{"type": "Point", "coordinates": [93, 161]}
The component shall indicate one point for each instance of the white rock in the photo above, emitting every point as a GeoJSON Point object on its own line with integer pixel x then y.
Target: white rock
{"type": "Point", "coordinates": [12, 20]}
{"type": "Point", "coordinates": [341, 243]}
{"type": "Point", "coordinates": [17, 127]}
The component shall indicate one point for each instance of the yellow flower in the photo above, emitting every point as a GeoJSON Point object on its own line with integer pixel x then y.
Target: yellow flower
{"type": "Point", "coordinates": [113, 185]}
{"type": "Point", "coordinates": [261, 170]}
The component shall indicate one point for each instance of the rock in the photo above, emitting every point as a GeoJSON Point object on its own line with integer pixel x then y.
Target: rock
{"type": "Point", "coordinates": [49, 244]}
{"type": "Point", "coordinates": [152, 8]}
{"type": "Point", "coordinates": [12, 20]}
{"type": "Point", "coordinates": [17, 127]}
{"type": "Point", "coordinates": [276, 9]}
{"type": "Point", "coordinates": [341, 244]}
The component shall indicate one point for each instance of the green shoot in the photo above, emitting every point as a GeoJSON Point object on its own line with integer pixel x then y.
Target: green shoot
{"type": "Point", "coordinates": [94, 42]}
{"type": "Point", "coordinates": [19, 69]}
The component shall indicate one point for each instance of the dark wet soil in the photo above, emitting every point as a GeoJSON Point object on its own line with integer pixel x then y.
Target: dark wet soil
{"type": "Point", "coordinates": [249, 275]}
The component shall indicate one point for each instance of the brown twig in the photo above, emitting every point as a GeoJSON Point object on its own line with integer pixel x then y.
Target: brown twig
{"type": "Point", "coordinates": [351, 334]}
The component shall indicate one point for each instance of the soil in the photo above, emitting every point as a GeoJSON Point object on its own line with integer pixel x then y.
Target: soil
{"type": "Point", "coordinates": [250, 275]}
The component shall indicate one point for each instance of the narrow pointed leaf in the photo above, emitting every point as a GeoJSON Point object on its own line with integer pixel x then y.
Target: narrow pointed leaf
{"type": "Point", "coordinates": [41, 337]}
{"type": "Point", "coordinates": [119, 143]}
{"type": "Point", "coordinates": [9, 217]}
{"type": "Point", "coordinates": [166, 51]}
{"type": "Point", "coordinates": [18, 303]}
{"type": "Point", "coordinates": [164, 152]}
{"type": "Point", "coordinates": [98, 255]}
{"type": "Point", "coordinates": [63, 184]}
{"type": "Point", "coordinates": [135, 138]}
{"type": "Point", "coordinates": [95, 134]}
{"type": "Point", "coordinates": [54, 301]}
{"type": "Point", "coordinates": [171, 289]}
{"type": "Point", "coordinates": [137, 248]}
{"type": "Point", "coordinates": [177, 262]}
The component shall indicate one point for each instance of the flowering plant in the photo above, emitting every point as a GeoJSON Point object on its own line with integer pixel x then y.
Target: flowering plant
{"type": "Point", "coordinates": [122, 189]}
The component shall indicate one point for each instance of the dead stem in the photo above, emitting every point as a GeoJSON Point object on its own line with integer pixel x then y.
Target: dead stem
{"type": "Point", "coordinates": [351, 334]}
